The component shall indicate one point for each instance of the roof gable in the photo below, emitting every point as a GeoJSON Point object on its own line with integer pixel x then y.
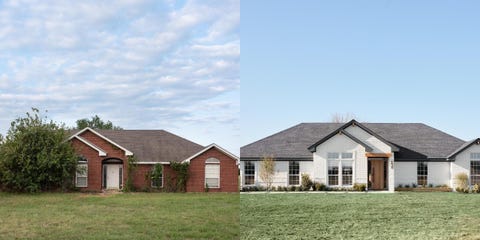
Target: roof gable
{"type": "Point", "coordinates": [213, 145]}
{"type": "Point", "coordinates": [463, 148]}
{"type": "Point", "coordinates": [127, 152]}
{"type": "Point", "coordinates": [342, 130]}
{"type": "Point", "coordinates": [313, 148]}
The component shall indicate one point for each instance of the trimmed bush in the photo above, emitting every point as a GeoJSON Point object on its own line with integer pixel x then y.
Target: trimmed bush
{"type": "Point", "coordinates": [306, 182]}
{"type": "Point", "coordinates": [359, 187]}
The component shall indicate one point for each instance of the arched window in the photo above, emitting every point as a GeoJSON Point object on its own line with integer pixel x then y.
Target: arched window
{"type": "Point", "coordinates": [81, 178]}
{"type": "Point", "coordinates": [212, 173]}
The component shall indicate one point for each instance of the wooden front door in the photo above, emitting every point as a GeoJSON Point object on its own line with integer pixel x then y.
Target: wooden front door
{"type": "Point", "coordinates": [377, 177]}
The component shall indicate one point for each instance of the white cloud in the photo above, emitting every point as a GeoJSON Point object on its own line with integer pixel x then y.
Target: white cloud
{"type": "Point", "coordinates": [141, 64]}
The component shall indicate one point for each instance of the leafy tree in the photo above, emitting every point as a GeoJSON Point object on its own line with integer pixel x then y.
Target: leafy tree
{"type": "Point", "coordinates": [267, 171]}
{"type": "Point", "coordinates": [35, 156]}
{"type": "Point", "coordinates": [96, 123]}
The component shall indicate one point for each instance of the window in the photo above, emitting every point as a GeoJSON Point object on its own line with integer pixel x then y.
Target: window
{"type": "Point", "coordinates": [340, 168]}
{"type": "Point", "coordinates": [347, 172]}
{"type": "Point", "coordinates": [474, 172]}
{"type": "Point", "coordinates": [475, 156]}
{"type": "Point", "coordinates": [212, 173]}
{"type": "Point", "coordinates": [333, 173]}
{"type": "Point", "coordinates": [422, 173]}
{"type": "Point", "coordinates": [249, 173]}
{"type": "Point", "coordinates": [81, 178]}
{"type": "Point", "coordinates": [293, 173]}
{"type": "Point", "coordinates": [157, 176]}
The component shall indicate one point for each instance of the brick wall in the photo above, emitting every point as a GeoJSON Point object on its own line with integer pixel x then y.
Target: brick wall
{"type": "Point", "coordinates": [95, 161]}
{"type": "Point", "coordinates": [228, 172]}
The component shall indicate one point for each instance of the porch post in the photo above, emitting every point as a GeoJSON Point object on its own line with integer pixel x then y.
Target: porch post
{"type": "Point", "coordinates": [391, 173]}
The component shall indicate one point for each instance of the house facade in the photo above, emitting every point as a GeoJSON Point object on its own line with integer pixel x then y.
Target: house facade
{"type": "Point", "coordinates": [379, 155]}
{"type": "Point", "coordinates": [104, 157]}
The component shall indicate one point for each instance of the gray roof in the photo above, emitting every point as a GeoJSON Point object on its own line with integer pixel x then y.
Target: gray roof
{"type": "Point", "coordinates": [152, 145]}
{"type": "Point", "coordinates": [414, 140]}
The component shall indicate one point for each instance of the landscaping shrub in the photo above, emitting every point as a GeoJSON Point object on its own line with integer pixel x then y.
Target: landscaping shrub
{"type": "Point", "coordinates": [400, 185]}
{"type": "Point", "coordinates": [291, 188]}
{"type": "Point", "coordinates": [476, 188]}
{"type": "Point", "coordinates": [306, 182]}
{"type": "Point", "coordinates": [319, 186]}
{"type": "Point", "coordinates": [359, 187]}
{"type": "Point", "coordinates": [461, 180]}
{"type": "Point", "coordinates": [414, 185]}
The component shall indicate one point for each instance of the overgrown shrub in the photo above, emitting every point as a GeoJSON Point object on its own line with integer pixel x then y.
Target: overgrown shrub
{"type": "Point", "coordinates": [34, 156]}
{"type": "Point", "coordinates": [181, 173]}
{"type": "Point", "coordinates": [307, 183]}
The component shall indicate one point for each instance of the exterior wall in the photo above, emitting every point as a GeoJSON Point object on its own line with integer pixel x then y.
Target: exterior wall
{"type": "Point", "coordinates": [141, 182]}
{"type": "Point", "coordinates": [228, 172]}
{"type": "Point", "coordinates": [340, 143]}
{"type": "Point", "coordinates": [95, 161]}
{"type": "Point", "coordinates": [438, 173]}
{"type": "Point", "coordinates": [281, 174]}
{"type": "Point", "coordinates": [462, 163]}
{"type": "Point", "coordinates": [405, 173]}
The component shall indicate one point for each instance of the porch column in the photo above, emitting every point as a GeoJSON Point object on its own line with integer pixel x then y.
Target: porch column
{"type": "Point", "coordinates": [391, 173]}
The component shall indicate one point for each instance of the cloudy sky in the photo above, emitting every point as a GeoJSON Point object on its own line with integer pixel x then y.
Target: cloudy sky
{"type": "Point", "coordinates": [169, 64]}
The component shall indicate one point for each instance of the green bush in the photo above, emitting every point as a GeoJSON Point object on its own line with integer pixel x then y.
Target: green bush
{"type": "Point", "coordinates": [400, 185]}
{"type": "Point", "coordinates": [407, 186]}
{"type": "Point", "coordinates": [414, 185]}
{"type": "Point", "coordinates": [306, 182]}
{"type": "Point", "coordinates": [291, 188]}
{"type": "Point", "coordinates": [319, 186]}
{"type": "Point", "coordinates": [34, 156]}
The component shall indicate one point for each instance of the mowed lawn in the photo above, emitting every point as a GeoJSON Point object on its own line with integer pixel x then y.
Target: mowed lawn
{"type": "Point", "coordinates": [119, 216]}
{"type": "Point", "coordinates": [360, 216]}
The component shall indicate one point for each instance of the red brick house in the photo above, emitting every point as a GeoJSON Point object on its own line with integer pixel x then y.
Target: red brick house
{"type": "Point", "coordinates": [104, 155]}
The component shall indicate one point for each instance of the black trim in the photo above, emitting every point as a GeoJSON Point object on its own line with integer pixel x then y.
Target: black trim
{"type": "Point", "coordinates": [112, 161]}
{"type": "Point", "coordinates": [422, 160]}
{"type": "Point", "coordinates": [313, 147]}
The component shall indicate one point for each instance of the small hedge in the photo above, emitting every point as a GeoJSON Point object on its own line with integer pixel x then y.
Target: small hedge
{"type": "Point", "coordinates": [430, 188]}
{"type": "Point", "coordinates": [313, 186]}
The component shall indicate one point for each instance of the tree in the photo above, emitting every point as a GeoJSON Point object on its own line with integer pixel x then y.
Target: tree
{"type": "Point", "coordinates": [342, 118]}
{"type": "Point", "coordinates": [267, 171]}
{"type": "Point", "coordinates": [35, 156]}
{"type": "Point", "coordinates": [96, 123]}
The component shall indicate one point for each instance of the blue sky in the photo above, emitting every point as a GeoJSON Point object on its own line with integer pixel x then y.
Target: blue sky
{"type": "Point", "coordinates": [142, 64]}
{"type": "Point", "coordinates": [383, 61]}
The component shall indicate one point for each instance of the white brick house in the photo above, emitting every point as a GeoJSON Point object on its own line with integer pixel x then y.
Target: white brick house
{"type": "Point", "coordinates": [380, 155]}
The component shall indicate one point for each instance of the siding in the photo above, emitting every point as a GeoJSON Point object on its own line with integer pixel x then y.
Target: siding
{"type": "Point", "coordinates": [438, 173]}
{"type": "Point", "coordinates": [405, 173]}
{"type": "Point", "coordinates": [462, 163]}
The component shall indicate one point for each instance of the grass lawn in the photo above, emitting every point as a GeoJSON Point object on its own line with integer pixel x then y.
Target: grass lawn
{"type": "Point", "coordinates": [119, 216]}
{"type": "Point", "coordinates": [360, 216]}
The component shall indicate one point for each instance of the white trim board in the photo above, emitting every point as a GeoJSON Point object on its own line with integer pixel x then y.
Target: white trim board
{"type": "Point", "coordinates": [127, 152]}
{"type": "Point", "coordinates": [211, 146]}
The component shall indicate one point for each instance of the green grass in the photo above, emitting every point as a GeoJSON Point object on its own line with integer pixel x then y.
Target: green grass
{"type": "Point", "coordinates": [360, 216]}
{"type": "Point", "coordinates": [119, 216]}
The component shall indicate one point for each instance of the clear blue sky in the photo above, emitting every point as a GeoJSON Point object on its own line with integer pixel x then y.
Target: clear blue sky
{"type": "Point", "coordinates": [383, 61]}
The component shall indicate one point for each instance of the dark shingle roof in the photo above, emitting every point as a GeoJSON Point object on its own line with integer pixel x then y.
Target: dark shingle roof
{"type": "Point", "coordinates": [415, 140]}
{"type": "Point", "coordinates": [153, 145]}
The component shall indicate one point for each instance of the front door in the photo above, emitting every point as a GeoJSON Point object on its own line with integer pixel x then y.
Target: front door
{"type": "Point", "coordinates": [377, 174]}
{"type": "Point", "coordinates": [114, 174]}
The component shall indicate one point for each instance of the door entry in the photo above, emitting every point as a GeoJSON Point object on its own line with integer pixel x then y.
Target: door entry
{"type": "Point", "coordinates": [377, 177]}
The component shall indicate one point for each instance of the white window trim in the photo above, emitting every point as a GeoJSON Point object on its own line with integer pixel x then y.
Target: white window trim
{"type": "Point", "coordinates": [340, 168]}
{"type": "Point", "coordinates": [86, 175]}
{"type": "Point", "coordinates": [219, 173]}
{"type": "Point", "coordinates": [151, 181]}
